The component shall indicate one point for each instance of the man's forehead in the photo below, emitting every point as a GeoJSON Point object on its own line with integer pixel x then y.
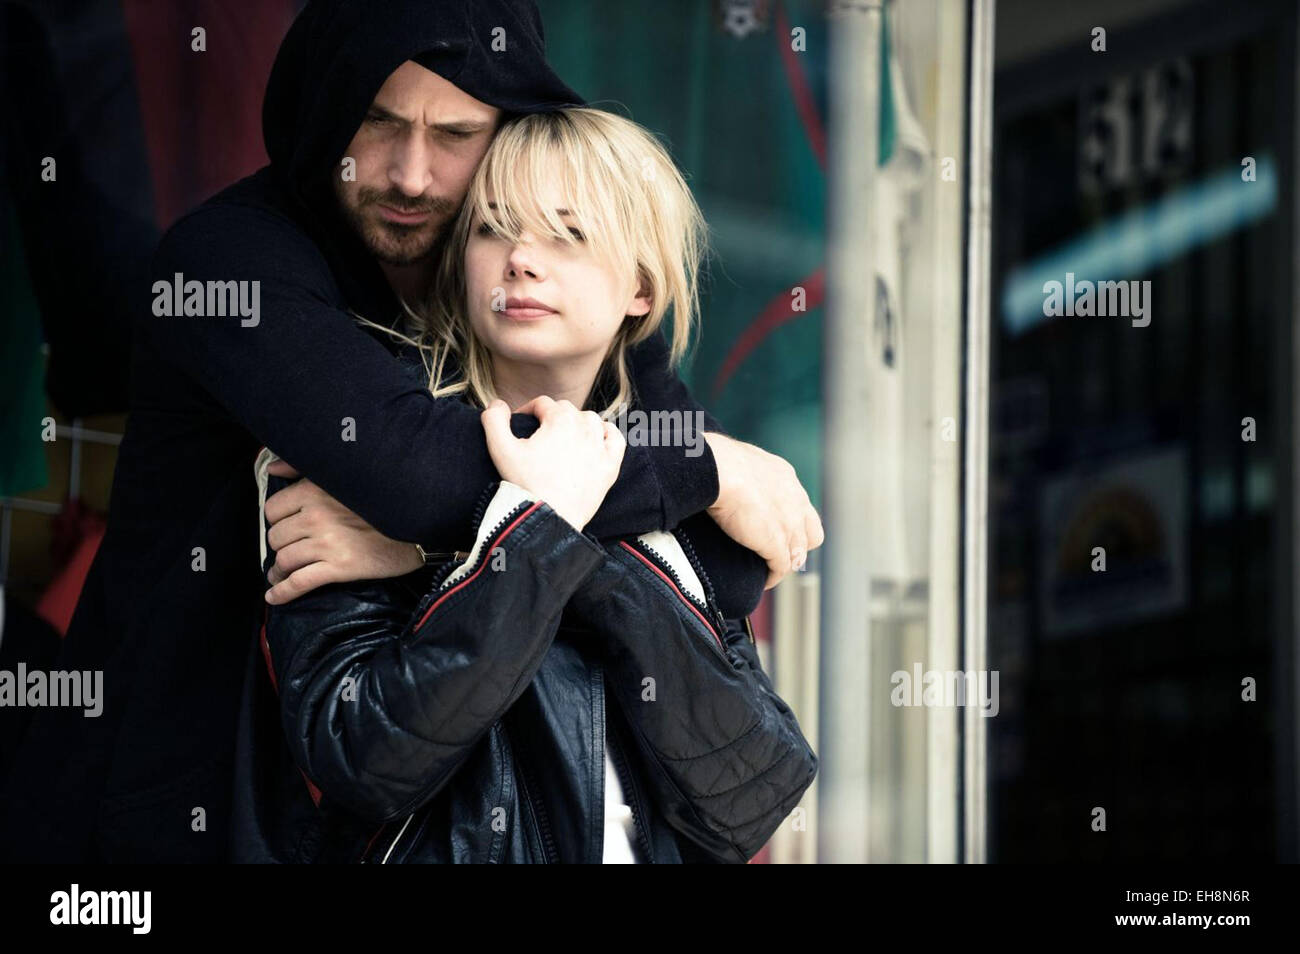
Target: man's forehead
{"type": "Point", "coordinates": [418, 94]}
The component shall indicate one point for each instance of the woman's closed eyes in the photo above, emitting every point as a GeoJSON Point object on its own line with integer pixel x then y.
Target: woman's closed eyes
{"type": "Point", "coordinates": [486, 230]}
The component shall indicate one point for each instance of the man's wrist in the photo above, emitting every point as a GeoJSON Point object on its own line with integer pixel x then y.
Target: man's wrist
{"type": "Point", "coordinates": [426, 557]}
{"type": "Point", "coordinates": [719, 447]}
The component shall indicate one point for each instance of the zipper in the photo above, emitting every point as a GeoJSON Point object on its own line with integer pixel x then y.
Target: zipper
{"type": "Point", "coordinates": [440, 578]}
{"type": "Point", "coordinates": [712, 616]}
{"type": "Point", "coordinates": [612, 740]}
{"type": "Point", "coordinates": [698, 566]}
{"type": "Point", "coordinates": [498, 846]}
{"type": "Point", "coordinates": [500, 524]}
{"type": "Point", "coordinates": [400, 833]}
{"type": "Point", "coordinates": [480, 508]}
{"type": "Point", "coordinates": [443, 572]}
{"type": "Point", "coordinates": [539, 813]}
{"type": "Point", "coordinates": [456, 557]}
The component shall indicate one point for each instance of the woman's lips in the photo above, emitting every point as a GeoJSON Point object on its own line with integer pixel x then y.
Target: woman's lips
{"type": "Point", "coordinates": [527, 314]}
{"type": "Point", "coordinates": [403, 218]}
{"type": "Point", "coordinates": [526, 309]}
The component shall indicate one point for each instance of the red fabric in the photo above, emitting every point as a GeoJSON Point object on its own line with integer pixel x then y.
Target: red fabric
{"type": "Point", "coordinates": [202, 111]}
{"type": "Point", "coordinates": [761, 619]}
{"type": "Point", "coordinates": [312, 790]}
{"type": "Point", "coordinates": [271, 670]}
{"type": "Point", "coordinates": [761, 622]}
{"type": "Point", "coordinates": [78, 531]}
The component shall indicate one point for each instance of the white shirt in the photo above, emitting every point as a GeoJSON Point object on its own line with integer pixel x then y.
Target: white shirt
{"type": "Point", "coordinates": [620, 830]}
{"type": "Point", "coordinates": [619, 825]}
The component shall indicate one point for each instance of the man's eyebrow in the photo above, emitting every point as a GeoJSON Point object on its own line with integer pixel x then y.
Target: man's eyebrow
{"type": "Point", "coordinates": [461, 126]}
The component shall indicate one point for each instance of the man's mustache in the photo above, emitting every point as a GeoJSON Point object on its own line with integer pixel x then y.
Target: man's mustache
{"type": "Point", "coordinates": [402, 203]}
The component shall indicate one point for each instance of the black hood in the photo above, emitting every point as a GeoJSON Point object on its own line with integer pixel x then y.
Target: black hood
{"type": "Point", "coordinates": [338, 53]}
{"type": "Point", "coordinates": [336, 56]}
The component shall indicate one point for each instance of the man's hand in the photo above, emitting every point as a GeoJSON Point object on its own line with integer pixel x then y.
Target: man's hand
{"type": "Point", "coordinates": [762, 505]}
{"type": "Point", "coordinates": [317, 540]}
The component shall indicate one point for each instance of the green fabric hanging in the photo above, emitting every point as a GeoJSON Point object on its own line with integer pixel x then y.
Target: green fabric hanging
{"type": "Point", "coordinates": [888, 118]}
{"type": "Point", "coordinates": [725, 106]}
{"type": "Point", "coordinates": [22, 368]}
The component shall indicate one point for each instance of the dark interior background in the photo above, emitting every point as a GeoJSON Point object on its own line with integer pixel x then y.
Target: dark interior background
{"type": "Point", "coordinates": [1124, 690]}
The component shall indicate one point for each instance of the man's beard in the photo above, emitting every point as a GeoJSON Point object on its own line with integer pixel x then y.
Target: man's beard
{"type": "Point", "coordinates": [391, 242]}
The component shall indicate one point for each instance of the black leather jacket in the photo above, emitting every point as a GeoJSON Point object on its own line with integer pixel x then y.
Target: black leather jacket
{"type": "Point", "coordinates": [460, 713]}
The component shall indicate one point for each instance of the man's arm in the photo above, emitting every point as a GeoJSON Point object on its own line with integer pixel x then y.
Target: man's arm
{"type": "Point", "coordinates": [758, 502]}
{"type": "Point", "coordinates": [689, 484]}
{"type": "Point", "coordinates": [306, 381]}
{"type": "Point", "coordinates": [743, 542]}
{"type": "Point", "coordinates": [357, 550]}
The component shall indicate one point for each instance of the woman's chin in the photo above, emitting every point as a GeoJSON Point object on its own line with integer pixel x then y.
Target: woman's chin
{"type": "Point", "coordinates": [537, 352]}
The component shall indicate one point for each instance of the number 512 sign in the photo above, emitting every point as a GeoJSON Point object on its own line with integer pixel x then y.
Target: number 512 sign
{"type": "Point", "coordinates": [1135, 128]}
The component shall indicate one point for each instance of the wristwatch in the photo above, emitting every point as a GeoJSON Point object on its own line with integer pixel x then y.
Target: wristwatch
{"type": "Point", "coordinates": [458, 555]}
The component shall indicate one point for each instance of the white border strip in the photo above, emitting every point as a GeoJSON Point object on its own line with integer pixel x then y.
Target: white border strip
{"type": "Point", "coordinates": [975, 532]}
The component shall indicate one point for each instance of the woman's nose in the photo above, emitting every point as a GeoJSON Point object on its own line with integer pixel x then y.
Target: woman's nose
{"type": "Point", "coordinates": [523, 260]}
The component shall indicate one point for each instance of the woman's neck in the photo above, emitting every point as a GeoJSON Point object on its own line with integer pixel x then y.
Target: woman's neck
{"type": "Point", "coordinates": [517, 383]}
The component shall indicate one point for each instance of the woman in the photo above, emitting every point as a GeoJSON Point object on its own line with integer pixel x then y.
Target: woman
{"type": "Point", "coordinates": [459, 713]}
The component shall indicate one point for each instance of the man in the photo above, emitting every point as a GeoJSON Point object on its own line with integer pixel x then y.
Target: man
{"type": "Point", "coordinates": [374, 119]}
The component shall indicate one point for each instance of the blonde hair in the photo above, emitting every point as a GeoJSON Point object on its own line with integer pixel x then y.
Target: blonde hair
{"type": "Point", "coordinates": [630, 202]}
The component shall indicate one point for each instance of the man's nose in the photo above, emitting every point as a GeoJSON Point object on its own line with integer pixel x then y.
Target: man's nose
{"type": "Point", "coordinates": [410, 168]}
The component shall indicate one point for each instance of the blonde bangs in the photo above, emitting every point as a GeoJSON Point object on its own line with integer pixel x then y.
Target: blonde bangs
{"type": "Point", "coordinates": [623, 192]}
{"type": "Point", "coordinates": [540, 150]}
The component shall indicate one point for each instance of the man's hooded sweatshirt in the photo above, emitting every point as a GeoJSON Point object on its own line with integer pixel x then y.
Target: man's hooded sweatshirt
{"type": "Point", "coordinates": [173, 601]}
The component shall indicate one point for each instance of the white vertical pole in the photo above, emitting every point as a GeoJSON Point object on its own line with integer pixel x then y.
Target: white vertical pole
{"type": "Point", "coordinates": [853, 147]}
{"type": "Point", "coordinates": [975, 430]}
{"type": "Point", "coordinates": [945, 268]}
